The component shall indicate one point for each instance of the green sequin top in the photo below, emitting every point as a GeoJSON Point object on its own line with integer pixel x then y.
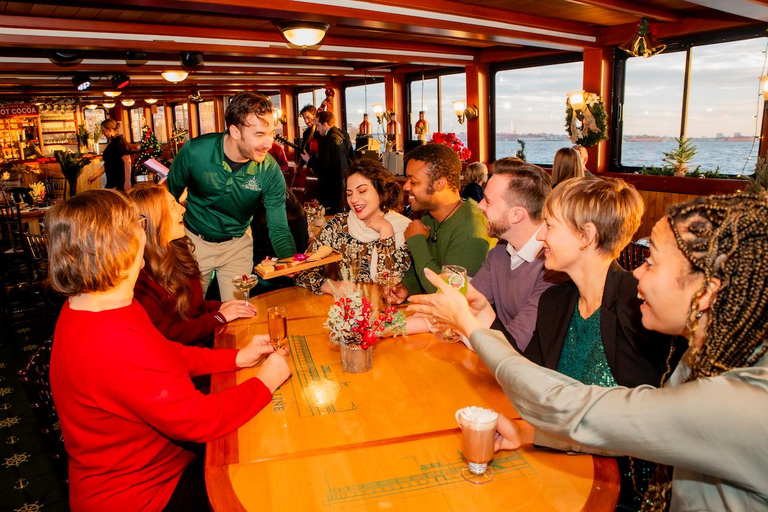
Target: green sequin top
{"type": "Point", "coordinates": [583, 357]}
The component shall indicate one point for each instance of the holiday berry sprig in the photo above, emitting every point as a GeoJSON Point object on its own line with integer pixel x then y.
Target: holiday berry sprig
{"type": "Point", "coordinates": [353, 321]}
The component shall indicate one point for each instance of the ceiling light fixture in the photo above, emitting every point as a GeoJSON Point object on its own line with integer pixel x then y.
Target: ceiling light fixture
{"type": "Point", "coordinates": [643, 42]}
{"type": "Point", "coordinates": [108, 105]}
{"type": "Point", "coordinates": [191, 59]}
{"type": "Point", "coordinates": [150, 101]}
{"type": "Point", "coordinates": [65, 58]}
{"type": "Point", "coordinates": [81, 82]}
{"type": "Point", "coordinates": [113, 94]}
{"type": "Point", "coordinates": [120, 80]}
{"type": "Point", "coordinates": [303, 33]}
{"type": "Point", "coordinates": [91, 106]}
{"type": "Point", "coordinates": [127, 103]}
{"type": "Point", "coordinates": [174, 76]}
{"type": "Point", "coordinates": [134, 59]}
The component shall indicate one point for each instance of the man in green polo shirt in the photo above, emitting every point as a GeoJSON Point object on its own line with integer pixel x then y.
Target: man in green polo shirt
{"type": "Point", "coordinates": [226, 176]}
{"type": "Point", "coordinates": [453, 231]}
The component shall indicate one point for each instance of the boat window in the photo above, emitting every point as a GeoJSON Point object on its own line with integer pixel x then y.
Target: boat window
{"type": "Point", "coordinates": [207, 116]}
{"type": "Point", "coordinates": [355, 105]}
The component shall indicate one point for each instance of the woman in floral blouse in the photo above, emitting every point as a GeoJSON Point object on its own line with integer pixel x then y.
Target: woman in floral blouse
{"type": "Point", "coordinates": [369, 236]}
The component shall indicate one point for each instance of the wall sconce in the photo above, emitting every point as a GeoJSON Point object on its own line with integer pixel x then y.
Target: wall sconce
{"type": "Point", "coordinates": [303, 33]}
{"type": "Point", "coordinates": [280, 118]}
{"type": "Point", "coordinates": [469, 113]}
{"type": "Point", "coordinates": [150, 101]}
{"type": "Point", "coordinates": [643, 42]}
{"type": "Point", "coordinates": [576, 99]}
{"type": "Point", "coordinates": [127, 103]}
{"type": "Point", "coordinates": [112, 94]}
{"type": "Point", "coordinates": [764, 86]}
{"type": "Point", "coordinates": [108, 105]}
{"type": "Point", "coordinates": [381, 114]}
{"type": "Point", "coordinates": [174, 76]}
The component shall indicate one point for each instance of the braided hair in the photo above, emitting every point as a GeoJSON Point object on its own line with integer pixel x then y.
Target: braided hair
{"type": "Point", "coordinates": [724, 237]}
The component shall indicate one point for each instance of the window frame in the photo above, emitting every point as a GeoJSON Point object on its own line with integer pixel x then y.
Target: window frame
{"type": "Point", "coordinates": [427, 75]}
{"type": "Point", "coordinates": [357, 83]}
{"type": "Point", "coordinates": [682, 44]}
{"type": "Point", "coordinates": [533, 62]}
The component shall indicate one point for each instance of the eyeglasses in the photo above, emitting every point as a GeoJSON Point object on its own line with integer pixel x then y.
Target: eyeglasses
{"type": "Point", "coordinates": [143, 221]}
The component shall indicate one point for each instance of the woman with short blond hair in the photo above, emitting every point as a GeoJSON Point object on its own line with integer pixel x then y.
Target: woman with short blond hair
{"type": "Point", "coordinates": [476, 176]}
{"type": "Point", "coordinates": [123, 392]}
{"type": "Point", "coordinates": [590, 328]}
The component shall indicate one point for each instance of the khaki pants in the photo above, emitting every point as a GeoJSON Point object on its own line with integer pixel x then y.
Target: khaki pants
{"type": "Point", "coordinates": [228, 259]}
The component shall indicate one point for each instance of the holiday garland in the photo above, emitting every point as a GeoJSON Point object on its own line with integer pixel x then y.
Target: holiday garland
{"type": "Point", "coordinates": [588, 126]}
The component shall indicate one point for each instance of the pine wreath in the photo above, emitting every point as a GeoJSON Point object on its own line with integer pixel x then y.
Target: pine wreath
{"type": "Point", "coordinates": [590, 127]}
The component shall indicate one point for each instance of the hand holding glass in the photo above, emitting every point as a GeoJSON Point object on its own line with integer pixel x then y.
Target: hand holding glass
{"type": "Point", "coordinates": [455, 276]}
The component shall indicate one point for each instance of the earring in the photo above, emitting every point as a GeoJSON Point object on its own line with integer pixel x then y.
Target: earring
{"type": "Point", "coordinates": [699, 314]}
{"type": "Point", "coordinates": [582, 247]}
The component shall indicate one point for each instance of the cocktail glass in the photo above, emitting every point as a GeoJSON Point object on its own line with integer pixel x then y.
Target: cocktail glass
{"type": "Point", "coordinates": [244, 283]}
{"type": "Point", "coordinates": [386, 280]}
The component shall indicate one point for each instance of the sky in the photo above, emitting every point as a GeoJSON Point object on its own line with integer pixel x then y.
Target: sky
{"type": "Point", "coordinates": [724, 94]}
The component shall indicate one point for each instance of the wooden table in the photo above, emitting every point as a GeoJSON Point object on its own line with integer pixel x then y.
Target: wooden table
{"type": "Point", "coordinates": [382, 440]}
{"type": "Point", "coordinates": [31, 217]}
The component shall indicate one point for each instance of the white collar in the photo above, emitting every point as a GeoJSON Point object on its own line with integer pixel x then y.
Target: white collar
{"type": "Point", "coordinates": [530, 250]}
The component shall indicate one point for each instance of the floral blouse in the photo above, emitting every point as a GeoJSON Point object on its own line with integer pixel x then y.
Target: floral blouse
{"type": "Point", "coordinates": [335, 234]}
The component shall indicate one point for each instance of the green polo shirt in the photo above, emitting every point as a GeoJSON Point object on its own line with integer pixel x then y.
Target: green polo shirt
{"type": "Point", "coordinates": [461, 240]}
{"type": "Point", "coordinates": [221, 203]}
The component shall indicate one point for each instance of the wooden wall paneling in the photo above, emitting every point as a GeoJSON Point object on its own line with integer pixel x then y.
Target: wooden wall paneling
{"type": "Point", "coordinates": [598, 78]}
{"type": "Point", "coordinates": [478, 94]}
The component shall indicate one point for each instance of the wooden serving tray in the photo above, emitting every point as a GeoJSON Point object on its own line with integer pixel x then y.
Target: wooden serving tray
{"type": "Point", "coordinates": [332, 258]}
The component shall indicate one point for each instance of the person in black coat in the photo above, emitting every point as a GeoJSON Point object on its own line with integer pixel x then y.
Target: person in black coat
{"type": "Point", "coordinates": [334, 154]}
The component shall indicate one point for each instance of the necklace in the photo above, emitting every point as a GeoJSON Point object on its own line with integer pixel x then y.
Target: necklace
{"type": "Point", "coordinates": [437, 228]}
{"type": "Point", "coordinates": [588, 309]}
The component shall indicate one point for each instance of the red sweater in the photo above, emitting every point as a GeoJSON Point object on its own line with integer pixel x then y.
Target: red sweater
{"type": "Point", "coordinates": [123, 392]}
{"type": "Point", "coordinates": [161, 308]}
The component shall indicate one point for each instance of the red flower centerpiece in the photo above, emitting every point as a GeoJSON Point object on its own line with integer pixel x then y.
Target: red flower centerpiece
{"type": "Point", "coordinates": [453, 142]}
{"type": "Point", "coordinates": [356, 326]}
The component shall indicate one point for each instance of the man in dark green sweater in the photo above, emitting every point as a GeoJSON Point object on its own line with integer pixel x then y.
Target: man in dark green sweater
{"type": "Point", "coordinates": [226, 176]}
{"type": "Point", "coordinates": [452, 231]}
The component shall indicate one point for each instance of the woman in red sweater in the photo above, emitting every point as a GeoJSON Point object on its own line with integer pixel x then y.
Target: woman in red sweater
{"type": "Point", "coordinates": [123, 392]}
{"type": "Point", "coordinates": [169, 284]}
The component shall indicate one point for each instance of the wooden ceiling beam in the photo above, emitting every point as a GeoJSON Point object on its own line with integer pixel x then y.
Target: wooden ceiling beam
{"type": "Point", "coordinates": [639, 9]}
{"type": "Point", "coordinates": [241, 42]}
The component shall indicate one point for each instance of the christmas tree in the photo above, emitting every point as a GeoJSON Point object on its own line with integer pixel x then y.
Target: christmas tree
{"type": "Point", "coordinates": [150, 148]}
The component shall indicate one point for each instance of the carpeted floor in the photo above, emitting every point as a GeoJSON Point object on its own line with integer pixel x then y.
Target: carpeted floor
{"type": "Point", "coordinates": [28, 481]}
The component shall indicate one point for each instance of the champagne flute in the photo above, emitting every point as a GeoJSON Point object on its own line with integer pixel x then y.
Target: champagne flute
{"type": "Point", "coordinates": [277, 323]}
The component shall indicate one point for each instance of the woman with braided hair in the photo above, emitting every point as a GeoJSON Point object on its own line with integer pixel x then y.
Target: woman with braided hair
{"type": "Point", "coordinates": [707, 280]}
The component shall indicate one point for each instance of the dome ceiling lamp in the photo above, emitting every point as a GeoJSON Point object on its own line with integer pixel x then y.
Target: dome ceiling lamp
{"type": "Point", "coordinates": [303, 33]}
{"type": "Point", "coordinates": [175, 76]}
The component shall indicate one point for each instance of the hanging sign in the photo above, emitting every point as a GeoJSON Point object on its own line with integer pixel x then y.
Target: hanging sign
{"type": "Point", "coordinates": [18, 110]}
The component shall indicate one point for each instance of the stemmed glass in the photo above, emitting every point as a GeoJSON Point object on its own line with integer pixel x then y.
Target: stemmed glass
{"type": "Point", "coordinates": [478, 431]}
{"type": "Point", "coordinates": [311, 211]}
{"type": "Point", "coordinates": [455, 276]}
{"type": "Point", "coordinates": [386, 280]}
{"type": "Point", "coordinates": [244, 283]}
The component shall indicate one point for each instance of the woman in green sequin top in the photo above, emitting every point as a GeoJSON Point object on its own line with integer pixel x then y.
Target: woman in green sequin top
{"type": "Point", "coordinates": [590, 328]}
